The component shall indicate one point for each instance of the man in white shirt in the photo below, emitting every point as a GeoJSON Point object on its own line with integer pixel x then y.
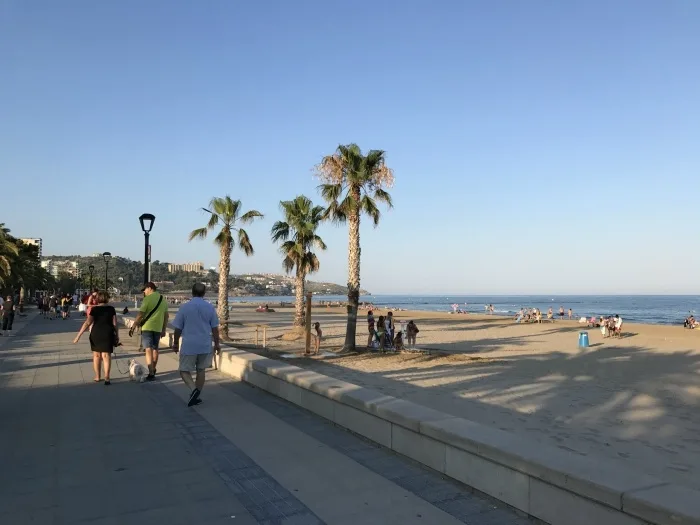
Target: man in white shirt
{"type": "Point", "coordinates": [197, 323]}
{"type": "Point", "coordinates": [618, 323]}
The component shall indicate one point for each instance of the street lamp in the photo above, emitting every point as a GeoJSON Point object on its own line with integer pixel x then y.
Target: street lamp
{"type": "Point", "coordinates": [146, 220]}
{"type": "Point", "coordinates": [106, 256]}
{"type": "Point", "coordinates": [92, 271]}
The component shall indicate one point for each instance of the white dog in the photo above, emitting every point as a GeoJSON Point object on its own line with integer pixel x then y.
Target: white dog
{"type": "Point", "coordinates": [137, 372]}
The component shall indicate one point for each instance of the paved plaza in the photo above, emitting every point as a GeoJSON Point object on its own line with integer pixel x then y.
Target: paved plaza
{"type": "Point", "coordinates": [78, 452]}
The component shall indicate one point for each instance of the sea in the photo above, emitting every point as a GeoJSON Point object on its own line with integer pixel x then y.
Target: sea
{"type": "Point", "coordinates": [650, 309]}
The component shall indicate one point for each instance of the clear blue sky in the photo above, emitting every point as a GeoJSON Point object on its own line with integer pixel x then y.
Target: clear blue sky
{"type": "Point", "coordinates": [539, 147]}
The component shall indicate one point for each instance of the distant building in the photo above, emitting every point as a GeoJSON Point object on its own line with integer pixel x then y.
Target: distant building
{"type": "Point", "coordinates": [57, 267]}
{"type": "Point", "coordinates": [186, 267]}
{"type": "Point", "coordinates": [33, 242]}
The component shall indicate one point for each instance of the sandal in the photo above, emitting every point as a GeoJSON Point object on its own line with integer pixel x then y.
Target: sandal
{"type": "Point", "coordinates": [107, 382]}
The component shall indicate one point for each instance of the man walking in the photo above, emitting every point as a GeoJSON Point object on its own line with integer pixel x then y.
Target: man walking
{"type": "Point", "coordinates": [196, 321]}
{"type": "Point", "coordinates": [8, 316]}
{"type": "Point", "coordinates": [153, 320]}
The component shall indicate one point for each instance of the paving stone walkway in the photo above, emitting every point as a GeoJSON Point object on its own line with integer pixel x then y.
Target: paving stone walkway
{"type": "Point", "coordinates": [78, 452]}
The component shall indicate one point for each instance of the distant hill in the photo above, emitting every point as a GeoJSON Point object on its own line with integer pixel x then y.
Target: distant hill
{"type": "Point", "coordinates": [127, 275]}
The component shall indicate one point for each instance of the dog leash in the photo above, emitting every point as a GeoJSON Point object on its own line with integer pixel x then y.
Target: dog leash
{"type": "Point", "coordinates": [117, 360]}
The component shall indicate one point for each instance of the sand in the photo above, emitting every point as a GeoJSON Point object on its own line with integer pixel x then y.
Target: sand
{"type": "Point", "coordinates": [632, 401]}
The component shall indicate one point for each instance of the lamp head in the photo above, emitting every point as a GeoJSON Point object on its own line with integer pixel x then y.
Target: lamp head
{"type": "Point", "coordinates": [147, 220]}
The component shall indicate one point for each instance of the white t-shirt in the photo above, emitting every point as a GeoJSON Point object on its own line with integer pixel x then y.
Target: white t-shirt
{"type": "Point", "coordinates": [618, 322]}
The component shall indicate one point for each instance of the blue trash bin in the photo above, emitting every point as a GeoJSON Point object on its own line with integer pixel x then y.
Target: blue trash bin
{"type": "Point", "coordinates": [583, 339]}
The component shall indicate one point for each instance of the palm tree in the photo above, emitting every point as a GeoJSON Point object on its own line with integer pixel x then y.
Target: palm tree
{"type": "Point", "coordinates": [353, 183]}
{"type": "Point", "coordinates": [298, 231]}
{"type": "Point", "coordinates": [8, 250]}
{"type": "Point", "coordinates": [226, 213]}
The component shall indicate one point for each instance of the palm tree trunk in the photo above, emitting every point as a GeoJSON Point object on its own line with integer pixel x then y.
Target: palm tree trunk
{"type": "Point", "coordinates": [300, 283]}
{"type": "Point", "coordinates": [224, 270]}
{"type": "Point", "coordinates": [353, 277]}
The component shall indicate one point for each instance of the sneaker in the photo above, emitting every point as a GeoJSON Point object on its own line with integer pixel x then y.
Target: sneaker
{"type": "Point", "coordinates": [194, 397]}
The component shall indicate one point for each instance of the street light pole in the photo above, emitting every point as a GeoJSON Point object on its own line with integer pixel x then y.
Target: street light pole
{"type": "Point", "coordinates": [146, 220]}
{"type": "Point", "coordinates": [92, 270]}
{"type": "Point", "coordinates": [106, 256]}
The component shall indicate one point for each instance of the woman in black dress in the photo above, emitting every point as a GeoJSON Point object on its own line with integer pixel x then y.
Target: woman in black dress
{"type": "Point", "coordinates": [104, 335]}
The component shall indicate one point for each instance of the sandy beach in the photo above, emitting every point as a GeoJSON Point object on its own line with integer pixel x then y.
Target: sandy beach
{"type": "Point", "coordinates": [632, 400]}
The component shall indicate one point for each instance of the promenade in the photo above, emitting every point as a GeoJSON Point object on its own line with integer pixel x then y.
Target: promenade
{"type": "Point", "coordinates": [78, 452]}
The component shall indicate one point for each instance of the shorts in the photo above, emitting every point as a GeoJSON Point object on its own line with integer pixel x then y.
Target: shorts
{"type": "Point", "coordinates": [190, 363]}
{"type": "Point", "coordinates": [150, 339]}
{"type": "Point", "coordinates": [65, 308]}
{"type": "Point", "coordinates": [7, 322]}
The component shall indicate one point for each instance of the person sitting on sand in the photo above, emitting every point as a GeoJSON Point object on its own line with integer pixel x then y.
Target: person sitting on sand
{"type": "Point", "coordinates": [398, 341]}
{"type": "Point", "coordinates": [689, 322]}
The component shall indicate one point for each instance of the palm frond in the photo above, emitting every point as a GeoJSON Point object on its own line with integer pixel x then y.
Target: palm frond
{"type": "Point", "coordinates": [318, 242]}
{"type": "Point", "coordinates": [224, 239]}
{"type": "Point", "coordinates": [244, 243]}
{"type": "Point", "coordinates": [213, 221]}
{"type": "Point", "coordinates": [335, 214]}
{"type": "Point", "coordinates": [280, 231]}
{"type": "Point", "coordinates": [383, 196]}
{"type": "Point", "coordinates": [369, 207]}
{"type": "Point", "coordinates": [288, 264]}
{"type": "Point", "coordinates": [199, 233]}
{"type": "Point", "coordinates": [250, 216]}
{"type": "Point", "coordinates": [331, 192]}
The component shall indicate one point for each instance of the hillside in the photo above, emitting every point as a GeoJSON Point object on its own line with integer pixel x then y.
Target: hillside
{"type": "Point", "coordinates": [127, 275]}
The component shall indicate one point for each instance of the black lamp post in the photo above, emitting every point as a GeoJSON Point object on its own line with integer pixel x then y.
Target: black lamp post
{"type": "Point", "coordinates": [146, 220]}
{"type": "Point", "coordinates": [106, 256]}
{"type": "Point", "coordinates": [92, 271]}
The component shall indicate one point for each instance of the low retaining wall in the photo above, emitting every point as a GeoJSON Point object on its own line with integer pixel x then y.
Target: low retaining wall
{"type": "Point", "coordinates": [557, 487]}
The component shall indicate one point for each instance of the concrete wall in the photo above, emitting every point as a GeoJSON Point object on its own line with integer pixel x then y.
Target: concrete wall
{"type": "Point", "coordinates": [555, 486]}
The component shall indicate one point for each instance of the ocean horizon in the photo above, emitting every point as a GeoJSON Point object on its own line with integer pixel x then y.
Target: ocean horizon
{"type": "Point", "coordinates": [650, 309]}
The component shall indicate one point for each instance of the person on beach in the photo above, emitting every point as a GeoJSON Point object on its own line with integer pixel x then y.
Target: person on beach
{"type": "Point", "coordinates": [8, 316]}
{"type": "Point", "coordinates": [390, 325]}
{"type": "Point", "coordinates": [571, 314]}
{"type": "Point", "coordinates": [317, 337]}
{"type": "Point", "coordinates": [104, 335]}
{"type": "Point", "coordinates": [550, 314]}
{"type": "Point", "coordinates": [153, 320]}
{"type": "Point", "coordinates": [411, 332]}
{"type": "Point", "coordinates": [197, 321]}
{"type": "Point", "coordinates": [381, 331]}
{"type": "Point", "coordinates": [561, 312]}
{"type": "Point", "coordinates": [370, 327]}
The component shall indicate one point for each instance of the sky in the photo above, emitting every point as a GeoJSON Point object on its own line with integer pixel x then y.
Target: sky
{"type": "Point", "coordinates": [538, 147]}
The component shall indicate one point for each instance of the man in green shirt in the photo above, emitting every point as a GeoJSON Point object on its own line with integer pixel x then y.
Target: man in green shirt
{"type": "Point", "coordinates": [153, 319]}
